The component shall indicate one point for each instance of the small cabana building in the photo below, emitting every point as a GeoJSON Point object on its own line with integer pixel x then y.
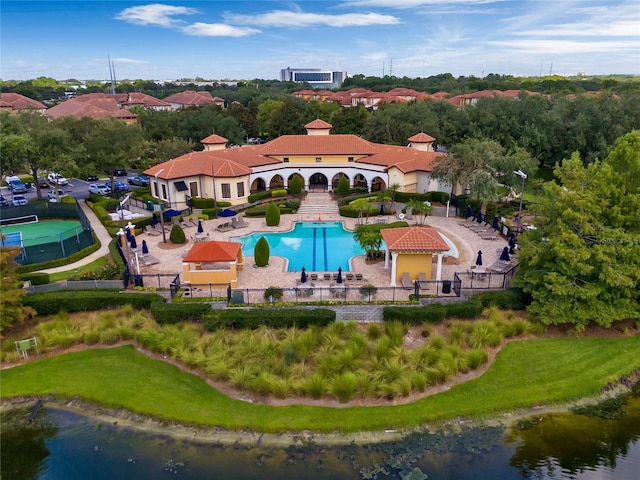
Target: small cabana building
{"type": "Point", "coordinates": [213, 262]}
{"type": "Point", "coordinates": [411, 250]}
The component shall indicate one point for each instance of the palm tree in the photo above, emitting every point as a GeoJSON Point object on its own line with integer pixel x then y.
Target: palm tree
{"type": "Point", "coordinates": [363, 205]}
{"type": "Point", "coordinates": [420, 210]}
{"type": "Point", "coordinates": [370, 241]}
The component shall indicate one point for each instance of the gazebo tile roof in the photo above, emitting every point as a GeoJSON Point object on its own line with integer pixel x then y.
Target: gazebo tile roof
{"type": "Point", "coordinates": [414, 239]}
{"type": "Point", "coordinates": [213, 251]}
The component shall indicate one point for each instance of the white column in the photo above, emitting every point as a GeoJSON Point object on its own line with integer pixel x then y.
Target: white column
{"type": "Point", "coordinates": [439, 267]}
{"type": "Point", "coordinates": [394, 263]}
{"type": "Point", "coordinates": [386, 258]}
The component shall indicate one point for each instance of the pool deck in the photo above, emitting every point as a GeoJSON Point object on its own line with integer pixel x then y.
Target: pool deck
{"type": "Point", "coordinates": [170, 255]}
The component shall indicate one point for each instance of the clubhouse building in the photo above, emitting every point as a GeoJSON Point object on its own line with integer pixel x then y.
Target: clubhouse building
{"type": "Point", "coordinates": [318, 158]}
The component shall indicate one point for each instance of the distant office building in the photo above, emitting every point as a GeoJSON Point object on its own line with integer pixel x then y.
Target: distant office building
{"type": "Point", "coordinates": [315, 77]}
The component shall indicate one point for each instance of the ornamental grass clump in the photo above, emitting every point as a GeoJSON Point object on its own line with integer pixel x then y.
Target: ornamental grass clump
{"type": "Point", "coordinates": [343, 386]}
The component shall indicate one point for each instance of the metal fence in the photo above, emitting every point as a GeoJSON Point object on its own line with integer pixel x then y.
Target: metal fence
{"type": "Point", "coordinates": [52, 247]}
{"type": "Point", "coordinates": [484, 280]}
{"type": "Point", "coordinates": [75, 285]}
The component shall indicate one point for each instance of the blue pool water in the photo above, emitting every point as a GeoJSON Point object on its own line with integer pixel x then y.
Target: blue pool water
{"type": "Point", "coordinates": [317, 246]}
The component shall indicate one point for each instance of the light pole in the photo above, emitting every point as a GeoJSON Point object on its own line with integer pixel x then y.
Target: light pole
{"type": "Point", "coordinates": [164, 235]}
{"type": "Point", "coordinates": [522, 175]}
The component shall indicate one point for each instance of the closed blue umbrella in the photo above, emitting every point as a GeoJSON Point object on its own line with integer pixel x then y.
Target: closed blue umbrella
{"type": "Point", "coordinates": [479, 259]}
{"type": "Point", "coordinates": [512, 244]}
{"type": "Point", "coordinates": [504, 256]}
{"type": "Point", "coordinates": [479, 217]}
{"type": "Point", "coordinates": [494, 225]}
{"type": "Point", "coordinates": [154, 220]}
{"type": "Point", "coordinates": [134, 244]}
{"type": "Point", "coordinates": [200, 229]}
{"type": "Point", "coordinates": [339, 279]}
{"type": "Point", "coordinates": [145, 248]}
{"type": "Point", "coordinates": [381, 209]}
{"type": "Point", "coordinates": [303, 276]}
{"type": "Point", "coordinates": [468, 212]}
{"type": "Point", "coordinates": [127, 233]}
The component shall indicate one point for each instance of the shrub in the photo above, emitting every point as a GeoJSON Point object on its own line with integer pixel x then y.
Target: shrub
{"type": "Point", "coordinates": [469, 309]}
{"type": "Point", "coordinates": [273, 294]}
{"type": "Point", "coordinates": [197, 202]}
{"type": "Point", "coordinates": [177, 235]}
{"type": "Point", "coordinates": [343, 186]}
{"type": "Point", "coordinates": [254, 197]}
{"type": "Point", "coordinates": [279, 192]}
{"type": "Point", "coordinates": [166, 313]}
{"type": "Point", "coordinates": [347, 211]}
{"type": "Point", "coordinates": [269, 317]}
{"type": "Point", "coordinates": [261, 252]}
{"type": "Point", "coordinates": [295, 185]}
{"type": "Point", "coordinates": [106, 272]}
{"type": "Point", "coordinates": [84, 300]}
{"type": "Point", "coordinates": [343, 387]}
{"type": "Point", "coordinates": [512, 299]}
{"type": "Point", "coordinates": [272, 215]}
{"type": "Point", "coordinates": [36, 278]}
{"type": "Point", "coordinates": [432, 313]}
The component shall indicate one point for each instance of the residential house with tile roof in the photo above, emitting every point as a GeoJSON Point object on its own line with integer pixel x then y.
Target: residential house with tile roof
{"type": "Point", "coordinates": [193, 98]}
{"type": "Point", "coordinates": [14, 103]}
{"type": "Point", "coordinates": [94, 105]}
{"type": "Point", "coordinates": [318, 158]}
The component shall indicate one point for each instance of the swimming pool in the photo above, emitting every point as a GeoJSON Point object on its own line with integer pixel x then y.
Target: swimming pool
{"type": "Point", "coordinates": [317, 246]}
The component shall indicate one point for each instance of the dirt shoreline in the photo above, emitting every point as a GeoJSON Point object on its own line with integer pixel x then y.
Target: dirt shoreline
{"type": "Point", "coordinates": [215, 435]}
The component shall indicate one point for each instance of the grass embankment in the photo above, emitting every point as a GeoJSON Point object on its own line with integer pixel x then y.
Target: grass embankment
{"type": "Point", "coordinates": [76, 272]}
{"type": "Point", "coordinates": [525, 374]}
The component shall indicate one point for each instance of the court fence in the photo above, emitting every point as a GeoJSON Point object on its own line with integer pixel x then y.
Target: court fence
{"type": "Point", "coordinates": [50, 246]}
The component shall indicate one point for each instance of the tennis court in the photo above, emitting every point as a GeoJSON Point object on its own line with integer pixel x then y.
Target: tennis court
{"type": "Point", "coordinates": [44, 240]}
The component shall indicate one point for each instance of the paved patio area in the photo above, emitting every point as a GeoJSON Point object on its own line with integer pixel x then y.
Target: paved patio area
{"type": "Point", "coordinates": [170, 256]}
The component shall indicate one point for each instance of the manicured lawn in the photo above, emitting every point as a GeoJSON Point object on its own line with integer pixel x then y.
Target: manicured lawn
{"type": "Point", "coordinates": [525, 373]}
{"type": "Point", "coordinates": [76, 272]}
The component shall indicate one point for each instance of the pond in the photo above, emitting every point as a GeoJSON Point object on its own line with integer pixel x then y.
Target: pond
{"type": "Point", "coordinates": [61, 444]}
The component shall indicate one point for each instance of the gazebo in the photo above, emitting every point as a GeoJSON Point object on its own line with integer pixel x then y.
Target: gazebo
{"type": "Point", "coordinates": [213, 262]}
{"type": "Point", "coordinates": [411, 250]}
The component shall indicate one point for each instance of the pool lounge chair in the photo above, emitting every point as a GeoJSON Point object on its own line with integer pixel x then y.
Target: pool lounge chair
{"type": "Point", "coordinates": [151, 231]}
{"type": "Point", "coordinates": [359, 277]}
{"type": "Point", "coordinates": [313, 276]}
{"type": "Point", "coordinates": [349, 277]}
{"type": "Point", "coordinates": [422, 281]}
{"type": "Point", "coordinates": [327, 276]}
{"type": "Point", "coordinates": [407, 284]}
{"type": "Point", "coordinates": [224, 227]}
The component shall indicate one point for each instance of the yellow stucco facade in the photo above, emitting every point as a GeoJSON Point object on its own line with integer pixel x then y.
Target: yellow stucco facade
{"type": "Point", "coordinates": [414, 263]}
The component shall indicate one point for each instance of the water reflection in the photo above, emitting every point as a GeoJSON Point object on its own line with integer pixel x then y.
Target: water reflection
{"type": "Point", "coordinates": [574, 443]}
{"type": "Point", "coordinates": [61, 444]}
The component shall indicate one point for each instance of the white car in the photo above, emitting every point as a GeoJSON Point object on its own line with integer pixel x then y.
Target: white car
{"type": "Point", "coordinates": [18, 200]}
{"type": "Point", "coordinates": [100, 189]}
{"type": "Point", "coordinates": [56, 179]}
{"type": "Point", "coordinates": [53, 197]}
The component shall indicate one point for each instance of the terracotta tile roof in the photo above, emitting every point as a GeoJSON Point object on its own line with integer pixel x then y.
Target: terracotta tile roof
{"type": "Point", "coordinates": [318, 145]}
{"type": "Point", "coordinates": [148, 101]}
{"type": "Point", "coordinates": [421, 138]}
{"type": "Point", "coordinates": [406, 159]}
{"type": "Point", "coordinates": [214, 251]}
{"type": "Point", "coordinates": [228, 163]}
{"type": "Point", "coordinates": [214, 140]}
{"type": "Point", "coordinates": [318, 124]}
{"type": "Point", "coordinates": [413, 239]}
{"type": "Point", "coordinates": [191, 97]}
{"type": "Point", "coordinates": [97, 106]}
{"type": "Point", "coordinates": [20, 102]}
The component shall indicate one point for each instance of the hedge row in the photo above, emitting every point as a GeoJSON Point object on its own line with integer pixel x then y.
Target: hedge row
{"type": "Point", "coordinates": [36, 278]}
{"type": "Point", "coordinates": [84, 300]}
{"type": "Point", "coordinates": [350, 198]}
{"type": "Point", "coordinates": [376, 227]}
{"type": "Point", "coordinates": [272, 318]}
{"type": "Point", "coordinates": [197, 202]}
{"type": "Point", "coordinates": [512, 299]}
{"type": "Point", "coordinates": [256, 196]}
{"type": "Point", "coordinates": [166, 313]}
{"type": "Point", "coordinates": [261, 210]}
{"type": "Point", "coordinates": [440, 197]}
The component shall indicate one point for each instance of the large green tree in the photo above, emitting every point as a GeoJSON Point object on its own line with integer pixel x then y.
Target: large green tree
{"type": "Point", "coordinates": [12, 311]}
{"type": "Point", "coordinates": [581, 264]}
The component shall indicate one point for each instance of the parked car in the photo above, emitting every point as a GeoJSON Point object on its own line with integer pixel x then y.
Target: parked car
{"type": "Point", "coordinates": [119, 172]}
{"type": "Point", "coordinates": [99, 188]}
{"type": "Point", "coordinates": [92, 178]}
{"type": "Point", "coordinates": [139, 180]}
{"type": "Point", "coordinates": [52, 197]}
{"type": "Point", "coordinates": [18, 200]}
{"type": "Point", "coordinates": [56, 179]}
{"type": "Point", "coordinates": [3, 201]}
{"type": "Point", "coordinates": [16, 185]}
{"type": "Point", "coordinates": [117, 186]}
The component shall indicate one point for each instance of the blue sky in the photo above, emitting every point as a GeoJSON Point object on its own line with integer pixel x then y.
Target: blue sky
{"type": "Point", "coordinates": [246, 40]}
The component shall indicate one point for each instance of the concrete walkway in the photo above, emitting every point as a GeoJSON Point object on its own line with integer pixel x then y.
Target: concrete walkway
{"type": "Point", "coordinates": [101, 233]}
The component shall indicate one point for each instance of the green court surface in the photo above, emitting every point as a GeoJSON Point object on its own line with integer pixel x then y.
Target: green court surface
{"type": "Point", "coordinates": [37, 233]}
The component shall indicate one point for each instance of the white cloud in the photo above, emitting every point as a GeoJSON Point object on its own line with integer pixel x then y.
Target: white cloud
{"type": "Point", "coordinates": [402, 4]}
{"type": "Point", "coordinates": [217, 30]}
{"type": "Point", "coordinates": [129, 60]}
{"type": "Point", "coordinates": [622, 28]}
{"type": "Point", "coordinates": [154, 14]}
{"type": "Point", "coordinates": [298, 19]}
{"type": "Point", "coordinates": [559, 47]}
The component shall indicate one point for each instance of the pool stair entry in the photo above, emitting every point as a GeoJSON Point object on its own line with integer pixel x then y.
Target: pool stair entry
{"type": "Point", "coordinates": [317, 205]}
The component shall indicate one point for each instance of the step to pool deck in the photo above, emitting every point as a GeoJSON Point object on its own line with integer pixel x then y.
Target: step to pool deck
{"type": "Point", "coordinates": [318, 204]}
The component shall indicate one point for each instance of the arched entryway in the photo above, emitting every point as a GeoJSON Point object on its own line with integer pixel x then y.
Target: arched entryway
{"type": "Point", "coordinates": [276, 182]}
{"type": "Point", "coordinates": [360, 181]}
{"type": "Point", "coordinates": [336, 179]}
{"type": "Point", "coordinates": [292, 176]}
{"type": "Point", "coordinates": [318, 182]}
{"type": "Point", "coordinates": [258, 185]}
{"type": "Point", "coordinates": [378, 185]}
